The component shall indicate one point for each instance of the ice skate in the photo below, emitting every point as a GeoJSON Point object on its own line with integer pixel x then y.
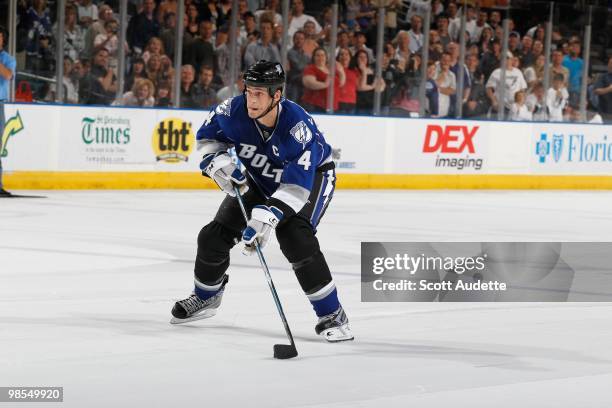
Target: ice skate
{"type": "Point", "coordinates": [193, 308]}
{"type": "Point", "coordinates": [334, 327]}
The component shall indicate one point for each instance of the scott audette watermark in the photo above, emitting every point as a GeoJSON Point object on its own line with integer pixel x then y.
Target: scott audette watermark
{"type": "Point", "coordinates": [424, 284]}
{"type": "Point", "coordinates": [421, 263]}
{"type": "Point", "coordinates": [486, 271]}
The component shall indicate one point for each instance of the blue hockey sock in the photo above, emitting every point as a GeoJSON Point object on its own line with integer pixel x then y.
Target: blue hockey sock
{"type": "Point", "coordinates": [325, 300]}
{"type": "Point", "coordinates": [204, 291]}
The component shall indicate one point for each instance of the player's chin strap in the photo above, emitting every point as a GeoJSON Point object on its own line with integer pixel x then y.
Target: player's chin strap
{"type": "Point", "coordinates": [272, 106]}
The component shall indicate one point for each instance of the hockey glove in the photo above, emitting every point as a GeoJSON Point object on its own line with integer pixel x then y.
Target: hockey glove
{"type": "Point", "coordinates": [263, 221]}
{"type": "Point", "coordinates": [224, 172]}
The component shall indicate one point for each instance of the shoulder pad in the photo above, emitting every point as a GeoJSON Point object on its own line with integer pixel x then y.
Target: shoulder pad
{"type": "Point", "coordinates": [224, 108]}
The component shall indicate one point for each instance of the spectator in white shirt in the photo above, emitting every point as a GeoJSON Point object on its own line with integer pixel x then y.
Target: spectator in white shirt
{"type": "Point", "coordinates": [454, 25]}
{"type": "Point", "coordinates": [88, 12]}
{"type": "Point", "coordinates": [515, 81]}
{"type": "Point", "coordinates": [447, 85]}
{"type": "Point", "coordinates": [454, 21]}
{"type": "Point", "coordinates": [475, 29]}
{"type": "Point", "coordinates": [536, 103]}
{"type": "Point", "coordinates": [298, 18]}
{"type": "Point", "coordinates": [416, 34]}
{"type": "Point", "coordinates": [556, 98]}
{"type": "Point", "coordinates": [519, 109]}
{"type": "Point", "coordinates": [270, 11]}
{"type": "Point", "coordinates": [418, 8]}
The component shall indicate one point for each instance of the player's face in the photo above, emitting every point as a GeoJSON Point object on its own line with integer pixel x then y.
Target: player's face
{"type": "Point", "coordinates": [258, 100]}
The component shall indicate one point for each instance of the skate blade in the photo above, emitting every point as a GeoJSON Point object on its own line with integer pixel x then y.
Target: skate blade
{"type": "Point", "coordinates": [204, 315]}
{"type": "Point", "coordinates": [337, 334]}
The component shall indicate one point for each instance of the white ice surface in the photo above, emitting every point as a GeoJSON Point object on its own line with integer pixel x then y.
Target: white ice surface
{"type": "Point", "coordinates": [87, 281]}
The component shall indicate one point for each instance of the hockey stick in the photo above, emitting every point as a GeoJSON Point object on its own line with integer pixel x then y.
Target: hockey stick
{"type": "Point", "coordinates": [281, 351]}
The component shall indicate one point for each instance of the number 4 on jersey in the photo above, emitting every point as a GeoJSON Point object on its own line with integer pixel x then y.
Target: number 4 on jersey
{"type": "Point", "coordinates": [305, 160]}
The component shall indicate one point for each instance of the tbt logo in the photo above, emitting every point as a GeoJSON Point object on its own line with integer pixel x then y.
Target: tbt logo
{"type": "Point", "coordinates": [173, 140]}
{"type": "Point", "coordinates": [450, 141]}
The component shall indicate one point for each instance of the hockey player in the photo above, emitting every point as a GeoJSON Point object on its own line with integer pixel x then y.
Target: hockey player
{"type": "Point", "coordinates": [289, 182]}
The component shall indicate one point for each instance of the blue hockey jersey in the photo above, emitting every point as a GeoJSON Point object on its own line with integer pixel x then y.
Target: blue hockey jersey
{"type": "Point", "coordinates": [283, 164]}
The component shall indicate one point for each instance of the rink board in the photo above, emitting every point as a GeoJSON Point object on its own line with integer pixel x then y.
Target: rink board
{"type": "Point", "coordinates": [78, 147]}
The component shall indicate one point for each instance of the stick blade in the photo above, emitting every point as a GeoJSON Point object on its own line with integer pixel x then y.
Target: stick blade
{"type": "Point", "coordinates": [284, 351]}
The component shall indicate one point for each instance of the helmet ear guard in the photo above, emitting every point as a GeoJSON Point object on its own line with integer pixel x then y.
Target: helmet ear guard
{"type": "Point", "coordinates": [272, 90]}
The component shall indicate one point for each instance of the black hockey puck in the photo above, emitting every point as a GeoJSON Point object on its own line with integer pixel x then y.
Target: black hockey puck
{"type": "Point", "coordinates": [284, 351]}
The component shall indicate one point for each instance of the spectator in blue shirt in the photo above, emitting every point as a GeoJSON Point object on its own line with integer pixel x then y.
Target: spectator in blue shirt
{"type": "Point", "coordinates": [7, 71]}
{"type": "Point", "coordinates": [575, 65]}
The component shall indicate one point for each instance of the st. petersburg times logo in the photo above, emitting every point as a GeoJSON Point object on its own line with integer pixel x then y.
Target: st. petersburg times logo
{"type": "Point", "coordinates": [173, 140]}
{"type": "Point", "coordinates": [13, 126]}
{"type": "Point", "coordinates": [544, 147]}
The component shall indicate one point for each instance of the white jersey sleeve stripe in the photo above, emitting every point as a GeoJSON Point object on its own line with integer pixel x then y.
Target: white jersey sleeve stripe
{"type": "Point", "coordinates": [208, 146]}
{"type": "Point", "coordinates": [293, 195]}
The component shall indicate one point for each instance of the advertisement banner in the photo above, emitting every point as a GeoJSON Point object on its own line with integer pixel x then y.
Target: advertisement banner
{"type": "Point", "coordinates": [29, 140]}
{"type": "Point", "coordinates": [571, 149]}
{"type": "Point", "coordinates": [111, 139]}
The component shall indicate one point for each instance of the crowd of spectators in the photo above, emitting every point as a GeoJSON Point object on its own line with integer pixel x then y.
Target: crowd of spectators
{"type": "Point", "coordinates": [91, 53]}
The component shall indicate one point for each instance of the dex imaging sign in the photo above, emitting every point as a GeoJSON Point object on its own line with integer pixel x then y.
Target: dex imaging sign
{"type": "Point", "coordinates": [589, 150]}
{"type": "Point", "coordinates": [453, 146]}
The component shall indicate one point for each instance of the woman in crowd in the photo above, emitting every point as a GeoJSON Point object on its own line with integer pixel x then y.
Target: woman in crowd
{"type": "Point", "coordinates": [138, 71]}
{"type": "Point", "coordinates": [74, 36]}
{"type": "Point", "coordinates": [142, 94]}
{"type": "Point", "coordinates": [317, 82]}
{"type": "Point", "coordinates": [167, 69]}
{"type": "Point", "coordinates": [154, 69]}
{"type": "Point", "coordinates": [154, 46]}
{"type": "Point", "coordinates": [366, 84]}
{"type": "Point", "coordinates": [485, 41]}
{"type": "Point", "coordinates": [535, 73]}
{"type": "Point", "coordinates": [193, 21]}
{"type": "Point", "coordinates": [347, 99]}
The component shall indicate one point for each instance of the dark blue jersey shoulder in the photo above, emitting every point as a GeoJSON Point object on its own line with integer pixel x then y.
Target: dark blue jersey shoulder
{"type": "Point", "coordinates": [290, 155]}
